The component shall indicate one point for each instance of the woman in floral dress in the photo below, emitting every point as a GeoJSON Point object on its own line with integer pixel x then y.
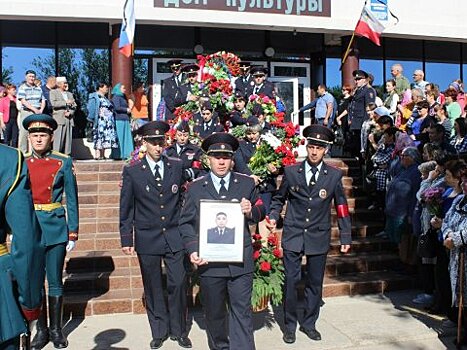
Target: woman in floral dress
{"type": "Point", "coordinates": [105, 134]}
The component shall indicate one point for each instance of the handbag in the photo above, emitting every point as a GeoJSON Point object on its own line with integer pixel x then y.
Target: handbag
{"type": "Point", "coordinates": [426, 247]}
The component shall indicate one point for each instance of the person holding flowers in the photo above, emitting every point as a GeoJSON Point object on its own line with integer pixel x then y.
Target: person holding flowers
{"type": "Point", "coordinates": [309, 188]}
{"type": "Point", "coordinates": [247, 148]}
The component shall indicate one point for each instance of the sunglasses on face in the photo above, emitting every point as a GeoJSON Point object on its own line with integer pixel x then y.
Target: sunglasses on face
{"type": "Point", "coordinates": [192, 75]}
{"type": "Point", "coordinates": [357, 79]}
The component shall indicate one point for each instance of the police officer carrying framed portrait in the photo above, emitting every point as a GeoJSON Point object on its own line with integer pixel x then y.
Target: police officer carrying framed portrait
{"type": "Point", "coordinates": [225, 288]}
{"type": "Point", "coordinates": [309, 188]}
{"type": "Point", "coordinates": [149, 213]}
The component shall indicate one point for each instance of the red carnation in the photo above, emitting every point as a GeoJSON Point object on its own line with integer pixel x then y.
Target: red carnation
{"type": "Point", "coordinates": [256, 254]}
{"type": "Point", "coordinates": [265, 266]}
{"type": "Point", "coordinates": [257, 237]}
{"type": "Point", "coordinates": [257, 245]}
{"type": "Point", "coordinates": [277, 253]}
{"type": "Point", "coordinates": [272, 240]}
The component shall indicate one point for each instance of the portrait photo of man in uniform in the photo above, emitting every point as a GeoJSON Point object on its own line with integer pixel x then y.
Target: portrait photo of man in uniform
{"type": "Point", "coordinates": [221, 234]}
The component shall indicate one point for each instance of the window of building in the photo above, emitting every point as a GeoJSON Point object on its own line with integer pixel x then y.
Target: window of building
{"type": "Point", "coordinates": [17, 60]}
{"type": "Point", "coordinates": [442, 74]}
{"type": "Point", "coordinates": [375, 67]}
{"type": "Point", "coordinates": [333, 74]}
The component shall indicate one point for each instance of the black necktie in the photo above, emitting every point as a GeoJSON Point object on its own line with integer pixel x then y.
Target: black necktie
{"type": "Point", "coordinates": [157, 175]}
{"type": "Point", "coordinates": [314, 170]}
{"type": "Point", "coordinates": [222, 189]}
{"type": "Point", "coordinates": [180, 150]}
{"type": "Point", "coordinates": [206, 126]}
{"type": "Point", "coordinates": [221, 232]}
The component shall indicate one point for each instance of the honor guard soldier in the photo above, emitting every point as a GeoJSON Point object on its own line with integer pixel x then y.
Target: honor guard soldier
{"type": "Point", "coordinates": [362, 96]}
{"type": "Point", "coordinates": [149, 213]}
{"type": "Point", "coordinates": [187, 89]}
{"type": "Point", "coordinates": [22, 269]}
{"type": "Point", "coordinates": [171, 89]}
{"type": "Point", "coordinates": [226, 288]}
{"type": "Point", "coordinates": [245, 80]}
{"type": "Point", "coordinates": [52, 175]}
{"type": "Point", "coordinates": [209, 123]}
{"type": "Point", "coordinates": [261, 86]}
{"type": "Point", "coordinates": [309, 189]}
{"type": "Point", "coordinates": [189, 153]}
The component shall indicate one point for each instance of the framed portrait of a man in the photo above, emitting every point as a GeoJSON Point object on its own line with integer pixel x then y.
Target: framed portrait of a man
{"type": "Point", "coordinates": [221, 231]}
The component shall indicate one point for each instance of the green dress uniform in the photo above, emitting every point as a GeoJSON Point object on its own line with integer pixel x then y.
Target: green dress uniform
{"type": "Point", "coordinates": [51, 176]}
{"type": "Point", "coordinates": [21, 299]}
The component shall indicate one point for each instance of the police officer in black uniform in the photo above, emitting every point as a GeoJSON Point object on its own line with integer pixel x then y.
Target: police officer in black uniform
{"type": "Point", "coordinates": [209, 122]}
{"type": "Point", "coordinates": [149, 213]}
{"type": "Point", "coordinates": [226, 288]}
{"type": "Point", "coordinates": [171, 89]}
{"type": "Point", "coordinates": [261, 85]}
{"type": "Point", "coordinates": [244, 80]}
{"type": "Point", "coordinates": [362, 96]}
{"type": "Point", "coordinates": [188, 153]}
{"type": "Point", "coordinates": [309, 188]}
{"type": "Point", "coordinates": [187, 89]}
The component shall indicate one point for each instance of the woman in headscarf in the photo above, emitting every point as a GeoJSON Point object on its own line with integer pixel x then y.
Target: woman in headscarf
{"type": "Point", "coordinates": [122, 120]}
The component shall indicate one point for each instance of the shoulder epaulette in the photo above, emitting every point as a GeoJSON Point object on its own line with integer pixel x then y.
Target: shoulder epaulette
{"type": "Point", "coordinates": [60, 154]}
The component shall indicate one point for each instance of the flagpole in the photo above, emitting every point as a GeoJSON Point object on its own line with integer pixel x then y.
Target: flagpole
{"type": "Point", "coordinates": [347, 51]}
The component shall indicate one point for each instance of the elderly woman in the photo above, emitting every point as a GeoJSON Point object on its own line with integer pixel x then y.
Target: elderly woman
{"type": "Point", "coordinates": [454, 231]}
{"type": "Point", "coordinates": [401, 199]}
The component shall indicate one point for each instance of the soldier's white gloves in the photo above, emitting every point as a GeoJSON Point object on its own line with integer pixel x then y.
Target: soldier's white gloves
{"type": "Point", "coordinates": [70, 246]}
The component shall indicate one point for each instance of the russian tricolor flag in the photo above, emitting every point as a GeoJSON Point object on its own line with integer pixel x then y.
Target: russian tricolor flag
{"type": "Point", "coordinates": [127, 32]}
{"type": "Point", "coordinates": [370, 25]}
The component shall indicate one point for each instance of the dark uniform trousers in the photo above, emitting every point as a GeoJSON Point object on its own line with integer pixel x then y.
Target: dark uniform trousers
{"type": "Point", "coordinates": [224, 284]}
{"type": "Point", "coordinates": [163, 319]}
{"type": "Point", "coordinates": [315, 266]}
{"type": "Point", "coordinates": [307, 231]}
{"type": "Point", "coordinates": [149, 213]}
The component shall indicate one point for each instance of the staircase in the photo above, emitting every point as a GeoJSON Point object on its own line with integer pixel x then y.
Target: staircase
{"type": "Point", "coordinates": [100, 279]}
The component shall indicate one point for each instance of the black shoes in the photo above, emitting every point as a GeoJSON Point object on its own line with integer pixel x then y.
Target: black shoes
{"type": "Point", "coordinates": [289, 337]}
{"type": "Point", "coordinates": [41, 339]}
{"type": "Point", "coordinates": [313, 334]}
{"type": "Point", "coordinates": [55, 329]}
{"type": "Point", "coordinates": [156, 343]}
{"type": "Point", "coordinates": [184, 342]}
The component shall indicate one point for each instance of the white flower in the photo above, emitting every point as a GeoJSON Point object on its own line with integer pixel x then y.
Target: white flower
{"type": "Point", "coordinates": [271, 140]}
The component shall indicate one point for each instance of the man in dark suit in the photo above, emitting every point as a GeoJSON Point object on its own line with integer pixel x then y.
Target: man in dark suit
{"type": "Point", "coordinates": [221, 234]}
{"type": "Point", "coordinates": [358, 113]}
{"type": "Point", "coordinates": [149, 213]}
{"type": "Point", "coordinates": [171, 89]}
{"type": "Point", "coordinates": [309, 188]}
{"type": "Point", "coordinates": [188, 153]}
{"type": "Point", "coordinates": [261, 86]}
{"type": "Point", "coordinates": [210, 122]}
{"type": "Point", "coordinates": [223, 284]}
{"type": "Point", "coordinates": [245, 79]}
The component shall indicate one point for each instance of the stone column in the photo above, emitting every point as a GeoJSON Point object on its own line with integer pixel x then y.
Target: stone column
{"type": "Point", "coordinates": [351, 63]}
{"type": "Point", "coordinates": [122, 67]}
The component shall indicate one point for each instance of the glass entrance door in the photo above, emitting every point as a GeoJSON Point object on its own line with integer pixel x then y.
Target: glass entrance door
{"type": "Point", "coordinates": [287, 91]}
{"type": "Point", "coordinates": [302, 73]}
